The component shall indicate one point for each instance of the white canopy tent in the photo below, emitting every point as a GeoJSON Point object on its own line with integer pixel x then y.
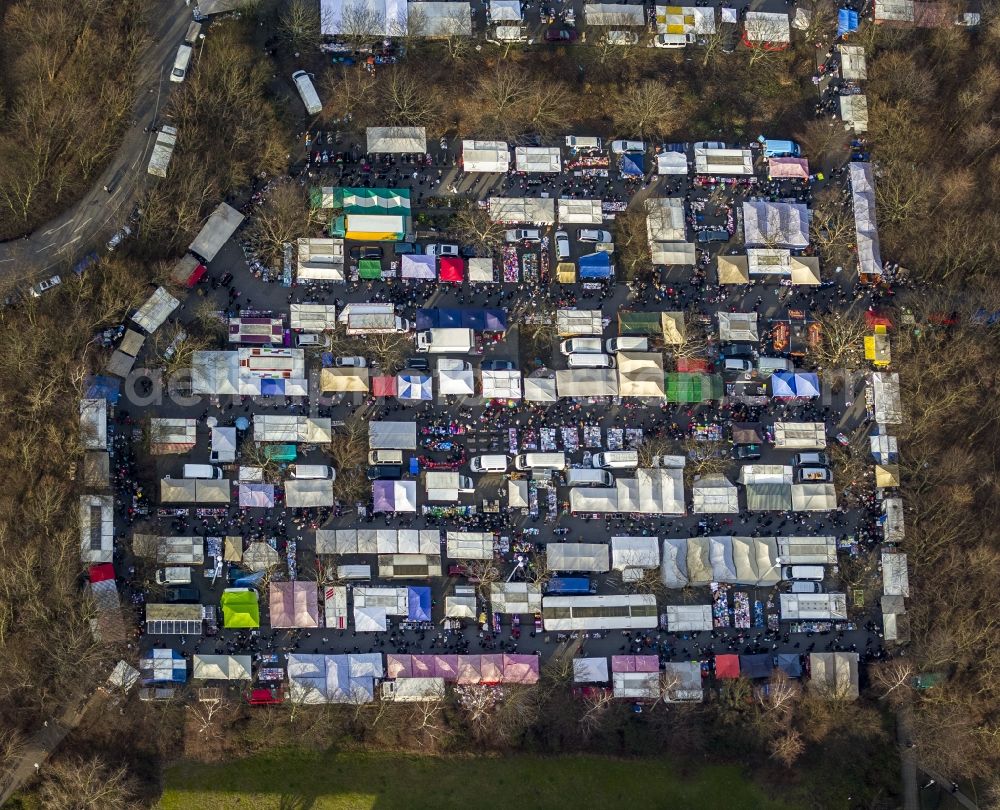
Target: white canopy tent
{"type": "Point", "coordinates": [640, 374]}
{"type": "Point", "coordinates": [614, 15]}
{"type": "Point", "coordinates": [590, 670]}
{"type": "Point", "coordinates": [501, 383]}
{"type": "Point", "coordinates": [715, 494]}
{"type": "Point", "coordinates": [381, 18]}
{"type": "Point", "coordinates": [590, 557]}
{"type": "Point", "coordinates": [454, 379]}
{"type": "Point", "coordinates": [480, 270]}
{"type": "Point", "coordinates": [492, 157]}
{"type": "Point", "coordinates": [866, 229]}
{"type": "Point", "coordinates": [579, 212]}
{"type": "Point", "coordinates": [854, 112]}
{"type": "Point", "coordinates": [528, 210]}
{"type": "Point", "coordinates": [673, 568]}
{"type": "Point", "coordinates": [775, 224]}
{"type": "Point", "coordinates": [515, 597]}
{"type": "Point", "coordinates": [470, 545]}
{"type": "Point", "coordinates": [571, 322]}
{"type": "Point", "coordinates": [688, 618]}
{"type": "Point", "coordinates": [319, 259]}
{"type": "Point", "coordinates": [221, 667]}
{"type": "Point", "coordinates": [305, 493]}
{"type": "Point", "coordinates": [665, 219]}
{"type": "Point", "coordinates": [814, 497]}
{"type": "Point", "coordinates": [723, 161]}
{"type": "Point", "coordinates": [396, 140]}
{"type": "Point", "coordinates": [460, 607]}
{"type": "Point", "coordinates": [151, 315]}
{"type": "Point", "coordinates": [438, 20]}
{"type": "Point", "coordinates": [587, 382]}
{"type": "Point", "coordinates": [505, 10]}
{"type": "Point", "coordinates": [392, 435]}
{"type": "Point", "coordinates": [538, 159]}
{"type": "Point", "coordinates": [378, 541]}
{"type": "Point", "coordinates": [540, 389]}
{"type": "Point", "coordinates": [313, 318]}
{"type": "Point", "coordinates": [517, 494]}
{"type": "Point", "coordinates": [632, 555]}
{"type": "Point", "coordinates": [835, 674]}
{"type": "Point", "coordinates": [738, 327]}
{"type": "Point", "coordinates": [887, 404]}
{"type": "Point", "coordinates": [671, 163]}
{"type": "Point", "coordinates": [799, 435]}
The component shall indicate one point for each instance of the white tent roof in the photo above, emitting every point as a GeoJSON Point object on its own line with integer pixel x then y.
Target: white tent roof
{"type": "Point", "coordinates": [579, 322]}
{"type": "Point", "coordinates": [538, 159]}
{"type": "Point", "coordinates": [799, 435]}
{"type": "Point", "coordinates": [306, 492]}
{"type": "Point", "coordinates": [487, 156]}
{"type": "Point", "coordinates": [418, 266]}
{"type": "Point", "coordinates": [765, 474]}
{"type": "Point", "coordinates": [396, 140]}
{"type": "Point", "coordinates": [590, 670]}
{"type": "Point", "coordinates": [460, 607]}
{"type": "Point", "coordinates": [854, 112]}
{"type": "Point", "coordinates": [688, 618]}
{"type": "Point", "coordinates": [775, 224]}
{"type": "Point", "coordinates": [665, 219]}
{"type": "Point", "coordinates": [378, 541]}
{"type": "Point", "coordinates": [151, 315]}
{"type": "Point", "coordinates": [866, 230]}
{"type": "Point", "coordinates": [517, 494]}
{"type": "Point", "coordinates": [682, 681]}
{"type": "Point", "coordinates": [685, 20]}
{"type": "Point", "coordinates": [435, 19]}
{"type": "Point", "coordinates": [762, 26]}
{"type": "Point", "coordinates": [723, 161]}
{"type": "Point", "coordinates": [635, 552]}
{"type": "Point", "coordinates": [320, 259]}
{"type": "Point", "coordinates": [523, 209]}
{"type": "Point", "coordinates": [540, 389]}
{"type": "Point", "coordinates": [501, 384]}
{"type": "Point", "coordinates": [895, 574]}
{"type": "Point", "coordinates": [640, 374]}
{"type": "Point", "coordinates": [580, 212]}
{"type": "Point", "coordinates": [481, 269]}
{"type": "Point", "coordinates": [515, 597]}
{"type": "Point", "coordinates": [614, 15]}
{"type": "Point", "coordinates": [715, 494]}
{"type": "Point", "coordinates": [738, 327]}
{"type": "Point", "coordinates": [593, 499]}
{"type": "Point", "coordinates": [672, 253]}
{"type": "Point", "coordinates": [800, 550]}
{"type": "Point", "coordinates": [454, 378]}
{"type": "Point", "coordinates": [276, 427]}
{"type": "Point", "coordinates": [221, 224]}
{"type": "Point", "coordinates": [370, 619]}
{"type": "Point", "coordinates": [813, 497]}
{"type": "Point", "coordinates": [755, 560]}
{"type": "Point", "coordinates": [587, 382]}
{"type": "Point", "coordinates": [671, 163]}
{"type": "Point", "coordinates": [591, 557]}
{"type": "Point", "coordinates": [673, 568]}
{"type": "Point", "coordinates": [505, 10]}
{"type": "Point", "coordinates": [887, 403]}
{"type": "Point", "coordinates": [469, 545]}
{"type": "Point", "coordinates": [392, 435]}
{"type": "Point", "coordinates": [661, 491]}
{"type": "Point", "coordinates": [94, 425]}
{"type": "Point", "coordinates": [853, 66]}
{"type": "Point", "coordinates": [835, 673]}
{"type": "Point", "coordinates": [221, 667]}
{"type": "Point", "coordinates": [312, 317]}
{"type": "Point", "coordinates": [404, 495]}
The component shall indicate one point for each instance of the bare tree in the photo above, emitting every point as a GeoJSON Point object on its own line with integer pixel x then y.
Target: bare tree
{"type": "Point", "coordinates": [474, 226]}
{"type": "Point", "coordinates": [841, 344]}
{"type": "Point", "coordinates": [501, 92]}
{"type": "Point", "coordinates": [893, 679]}
{"type": "Point", "coordinates": [87, 784]}
{"type": "Point", "coordinates": [299, 25]}
{"type": "Point", "coordinates": [284, 216]}
{"type": "Point", "coordinates": [360, 23]}
{"type": "Point", "coordinates": [596, 706]}
{"type": "Point", "coordinates": [647, 108]}
{"type": "Point", "coordinates": [405, 100]}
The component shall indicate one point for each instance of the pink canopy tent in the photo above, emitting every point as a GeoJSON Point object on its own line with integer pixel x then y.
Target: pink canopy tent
{"type": "Point", "coordinates": [635, 663]}
{"type": "Point", "coordinates": [518, 668]}
{"type": "Point", "coordinates": [788, 167]}
{"type": "Point", "coordinates": [398, 666]}
{"type": "Point", "coordinates": [469, 670]}
{"type": "Point", "coordinates": [294, 604]}
{"type": "Point", "coordinates": [446, 666]}
{"type": "Point", "coordinates": [491, 668]}
{"type": "Point", "coordinates": [383, 386]}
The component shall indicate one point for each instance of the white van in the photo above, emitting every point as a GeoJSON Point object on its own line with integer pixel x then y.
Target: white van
{"type": "Point", "coordinates": [523, 235]}
{"type": "Point", "coordinates": [562, 245]}
{"type": "Point", "coordinates": [627, 344]}
{"type": "Point", "coordinates": [174, 575]}
{"type": "Point", "coordinates": [181, 63]}
{"type": "Point", "coordinates": [583, 142]}
{"type": "Point", "coordinates": [385, 457]}
{"type": "Point", "coordinates": [673, 40]}
{"type": "Point", "coordinates": [616, 460]}
{"type": "Point", "coordinates": [488, 464]}
{"type": "Point", "coordinates": [590, 361]}
{"type": "Point", "coordinates": [769, 365]}
{"type": "Point", "coordinates": [581, 346]}
{"type": "Point", "coordinates": [810, 572]}
{"type": "Point", "coordinates": [305, 471]}
{"type": "Point", "coordinates": [202, 471]}
{"type": "Point", "coordinates": [540, 461]}
{"type": "Point", "coordinates": [577, 477]}
{"type": "Point", "coordinates": [736, 364]}
{"type": "Point", "coordinates": [307, 92]}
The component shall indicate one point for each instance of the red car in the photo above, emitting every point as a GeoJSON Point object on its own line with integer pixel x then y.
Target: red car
{"type": "Point", "coordinates": [462, 571]}
{"type": "Point", "coordinates": [561, 35]}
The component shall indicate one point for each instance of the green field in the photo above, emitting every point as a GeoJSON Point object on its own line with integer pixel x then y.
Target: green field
{"type": "Point", "coordinates": [352, 781]}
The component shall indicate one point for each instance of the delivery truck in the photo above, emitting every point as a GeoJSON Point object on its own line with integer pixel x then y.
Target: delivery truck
{"type": "Point", "coordinates": [446, 340]}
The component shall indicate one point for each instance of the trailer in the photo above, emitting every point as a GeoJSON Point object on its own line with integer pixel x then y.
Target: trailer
{"type": "Point", "coordinates": [446, 340]}
{"type": "Point", "coordinates": [376, 323]}
{"type": "Point", "coordinates": [221, 225]}
{"type": "Point", "coordinates": [175, 551]}
{"type": "Point", "coordinates": [163, 150]}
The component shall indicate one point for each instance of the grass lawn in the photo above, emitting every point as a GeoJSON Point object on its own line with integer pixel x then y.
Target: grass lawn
{"type": "Point", "coordinates": [358, 781]}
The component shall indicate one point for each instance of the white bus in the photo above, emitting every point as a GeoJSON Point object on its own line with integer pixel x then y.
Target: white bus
{"type": "Point", "coordinates": [618, 612]}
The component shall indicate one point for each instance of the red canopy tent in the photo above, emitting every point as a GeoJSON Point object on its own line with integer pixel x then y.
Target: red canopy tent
{"type": "Point", "coordinates": [383, 386]}
{"type": "Point", "coordinates": [696, 365]}
{"type": "Point", "coordinates": [727, 666]}
{"type": "Point", "coordinates": [452, 269]}
{"type": "Point", "coordinates": [102, 572]}
{"type": "Point", "coordinates": [873, 319]}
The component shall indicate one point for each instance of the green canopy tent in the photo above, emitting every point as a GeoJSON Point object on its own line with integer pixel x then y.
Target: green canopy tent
{"type": "Point", "coordinates": [240, 608]}
{"type": "Point", "coordinates": [640, 323]}
{"type": "Point", "coordinates": [685, 386]}
{"type": "Point", "coordinates": [282, 453]}
{"type": "Point", "coordinates": [370, 269]}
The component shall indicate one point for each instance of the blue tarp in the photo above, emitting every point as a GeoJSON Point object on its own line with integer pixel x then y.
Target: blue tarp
{"type": "Point", "coordinates": [847, 21]}
{"type": "Point", "coordinates": [418, 603]}
{"type": "Point", "coordinates": [161, 665]}
{"type": "Point", "coordinates": [756, 666]}
{"type": "Point", "coordinates": [414, 386]}
{"type": "Point", "coordinates": [595, 265]}
{"type": "Point", "coordinates": [479, 319]}
{"type": "Point", "coordinates": [790, 664]}
{"type": "Point", "coordinates": [272, 388]}
{"type": "Point", "coordinates": [632, 164]}
{"type": "Point", "coordinates": [101, 387]}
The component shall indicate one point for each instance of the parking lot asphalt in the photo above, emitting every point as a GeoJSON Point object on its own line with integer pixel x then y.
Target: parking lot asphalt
{"type": "Point", "coordinates": [676, 289]}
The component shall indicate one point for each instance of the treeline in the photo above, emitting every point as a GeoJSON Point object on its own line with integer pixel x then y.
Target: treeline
{"type": "Point", "coordinates": [933, 97]}
{"type": "Point", "coordinates": [66, 92]}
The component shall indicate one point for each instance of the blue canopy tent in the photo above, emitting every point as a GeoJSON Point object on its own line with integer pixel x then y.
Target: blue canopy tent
{"type": "Point", "coordinates": [790, 664]}
{"type": "Point", "coordinates": [632, 164]}
{"type": "Point", "coordinates": [797, 385]}
{"type": "Point", "coordinates": [479, 319]}
{"type": "Point", "coordinates": [756, 666]}
{"type": "Point", "coordinates": [595, 266]}
{"type": "Point", "coordinates": [414, 386]}
{"type": "Point", "coordinates": [418, 604]}
{"type": "Point", "coordinates": [847, 21]}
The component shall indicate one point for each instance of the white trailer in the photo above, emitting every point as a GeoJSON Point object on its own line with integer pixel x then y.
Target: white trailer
{"type": "Point", "coordinates": [163, 150]}
{"type": "Point", "coordinates": [221, 225]}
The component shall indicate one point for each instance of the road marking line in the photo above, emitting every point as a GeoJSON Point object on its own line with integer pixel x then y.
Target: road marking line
{"type": "Point", "coordinates": [44, 248]}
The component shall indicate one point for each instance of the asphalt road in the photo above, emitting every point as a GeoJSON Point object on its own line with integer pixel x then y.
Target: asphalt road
{"type": "Point", "coordinates": [91, 221]}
